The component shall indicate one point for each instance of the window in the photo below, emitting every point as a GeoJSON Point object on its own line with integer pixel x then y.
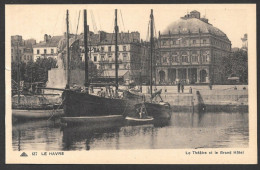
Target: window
{"type": "Point", "coordinates": [164, 60]}
{"type": "Point", "coordinates": [124, 48]}
{"type": "Point", "coordinates": [20, 51]}
{"type": "Point", "coordinates": [194, 58]}
{"type": "Point", "coordinates": [12, 58]}
{"type": "Point", "coordinates": [124, 57]}
{"type": "Point", "coordinates": [95, 50]}
{"type": "Point", "coordinates": [12, 50]}
{"type": "Point", "coordinates": [102, 49]}
{"type": "Point", "coordinates": [110, 66]}
{"type": "Point", "coordinates": [125, 66]}
{"type": "Point", "coordinates": [95, 58]}
{"type": "Point", "coordinates": [52, 51]}
{"type": "Point", "coordinates": [204, 58]}
{"type": "Point", "coordinates": [204, 41]}
{"type": "Point", "coordinates": [109, 56]}
{"type": "Point", "coordinates": [164, 42]}
{"type": "Point", "coordinates": [194, 42]}
{"type": "Point", "coordinates": [45, 51]}
{"type": "Point", "coordinates": [185, 59]}
{"type": "Point", "coordinates": [174, 42]}
{"type": "Point", "coordinates": [109, 49]}
{"type": "Point", "coordinates": [38, 51]}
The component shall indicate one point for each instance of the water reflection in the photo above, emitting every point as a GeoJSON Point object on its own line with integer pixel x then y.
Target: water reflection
{"type": "Point", "coordinates": [72, 136]}
{"type": "Point", "coordinates": [184, 130]}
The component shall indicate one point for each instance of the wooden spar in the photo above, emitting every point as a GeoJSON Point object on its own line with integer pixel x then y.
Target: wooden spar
{"type": "Point", "coordinates": [86, 49]}
{"type": "Point", "coordinates": [18, 73]}
{"type": "Point", "coordinates": [68, 53]}
{"type": "Point", "coordinates": [151, 57]}
{"type": "Point", "coordinates": [116, 50]}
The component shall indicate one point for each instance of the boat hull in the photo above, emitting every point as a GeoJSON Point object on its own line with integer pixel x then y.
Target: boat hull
{"type": "Point", "coordinates": [77, 104]}
{"type": "Point", "coordinates": [89, 120]}
{"type": "Point", "coordinates": [36, 114]}
{"type": "Point", "coordinates": [156, 110]}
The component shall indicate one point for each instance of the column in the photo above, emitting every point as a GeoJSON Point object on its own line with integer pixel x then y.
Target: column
{"type": "Point", "coordinates": [187, 75]}
{"type": "Point", "coordinates": [198, 75]}
{"type": "Point", "coordinates": [207, 77]}
{"type": "Point", "coordinates": [177, 75]}
{"type": "Point", "coordinates": [166, 76]}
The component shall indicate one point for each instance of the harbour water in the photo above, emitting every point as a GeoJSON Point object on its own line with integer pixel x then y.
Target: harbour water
{"type": "Point", "coordinates": [185, 130]}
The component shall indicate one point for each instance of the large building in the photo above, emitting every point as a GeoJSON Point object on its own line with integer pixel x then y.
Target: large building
{"type": "Point", "coordinates": [192, 51]}
{"type": "Point", "coordinates": [102, 53]}
{"type": "Point", "coordinates": [21, 48]}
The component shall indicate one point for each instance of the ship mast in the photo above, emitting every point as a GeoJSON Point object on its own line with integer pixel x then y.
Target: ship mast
{"type": "Point", "coordinates": [151, 56]}
{"type": "Point", "coordinates": [68, 52]}
{"type": "Point", "coordinates": [116, 50]}
{"type": "Point", "coordinates": [86, 49]}
{"type": "Point", "coordinates": [18, 73]}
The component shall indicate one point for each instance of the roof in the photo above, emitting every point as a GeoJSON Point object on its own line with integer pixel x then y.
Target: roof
{"type": "Point", "coordinates": [109, 38]}
{"type": "Point", "coordinates": [194, 25]}
{"type": "Point", "coordinates": [111, 73]}
{"type": "Point", "coordinates": [53, 42]}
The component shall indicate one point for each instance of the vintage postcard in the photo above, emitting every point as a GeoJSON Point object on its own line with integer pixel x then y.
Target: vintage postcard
{"type": "Point", "coordinates": [133, 83]}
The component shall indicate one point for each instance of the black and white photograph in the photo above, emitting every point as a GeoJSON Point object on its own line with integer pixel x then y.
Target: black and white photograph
{"type": "Point", "coordinates": [155, 83]}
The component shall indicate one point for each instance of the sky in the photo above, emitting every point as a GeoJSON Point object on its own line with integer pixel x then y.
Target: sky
{"type": "Point", "coordinates": [33, 21]}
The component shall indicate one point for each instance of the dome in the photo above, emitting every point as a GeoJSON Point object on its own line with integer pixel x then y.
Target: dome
{"type": "Point", "coordinates": [194, 25]}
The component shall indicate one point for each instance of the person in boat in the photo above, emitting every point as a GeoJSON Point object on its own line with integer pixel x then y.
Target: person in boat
{"type": "Point", "coordinates": [103, 93]}
{"type": "Point", "coordinates": [75, 87]}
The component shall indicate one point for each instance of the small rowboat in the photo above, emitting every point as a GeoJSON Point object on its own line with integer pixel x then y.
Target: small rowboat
{"type": "Point", "coordinates": [147, 119]}
{"type": "Point", "coordinates": [136, 120]}
{"type": "Point", "coordinates": [92, 120]}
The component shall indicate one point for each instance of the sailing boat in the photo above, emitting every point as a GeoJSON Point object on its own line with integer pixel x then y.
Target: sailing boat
{"type": "Point", "coordinates": [80, 106]}
{"type": "Point", "coordinates": [157, 109]}
{"type": "Point", "coordinates": [33, 106]}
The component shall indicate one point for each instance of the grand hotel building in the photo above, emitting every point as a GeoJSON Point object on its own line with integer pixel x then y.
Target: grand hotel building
{"type": "Point", "coordinates": [192, 51]}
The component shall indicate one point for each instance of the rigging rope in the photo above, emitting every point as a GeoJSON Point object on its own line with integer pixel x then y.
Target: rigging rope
{"type": "Point", "coordinates": [93, 22]}
{"type": "Point", "coordinates": [122, 19]}
{"type": "Point", "coordinates": [148, 32]}
{"type": "Point", "coordinates": [77, 25]}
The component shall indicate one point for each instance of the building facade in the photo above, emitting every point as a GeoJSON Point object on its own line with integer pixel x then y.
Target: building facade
{"type": "Point", "coordinates": [22, 49]}
{"type": "Point", "coordinates": [192, 51]}
{"type": "Point", "coordinates": [47, 48]}
{"type": "Point", "coordinates": [102, 52]}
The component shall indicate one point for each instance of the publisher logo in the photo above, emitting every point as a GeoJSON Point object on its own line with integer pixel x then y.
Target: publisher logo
{"type": "Point", "coordinates": [23, 154]}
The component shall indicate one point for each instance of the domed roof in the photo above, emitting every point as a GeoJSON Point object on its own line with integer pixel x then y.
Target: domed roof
{"type": "Point", "coordinates": [194, 25]}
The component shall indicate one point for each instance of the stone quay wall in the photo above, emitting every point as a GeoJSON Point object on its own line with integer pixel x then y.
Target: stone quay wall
{"type": "Point", "coordinates": [220, 98]}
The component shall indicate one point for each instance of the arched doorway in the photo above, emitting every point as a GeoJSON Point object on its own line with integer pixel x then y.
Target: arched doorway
{"type": "Point", "coordinates": [162, 76]}
{"type": "Point", "coordinates": [171, 75]}
{"type": "Point", "coordinates": [203, 75]}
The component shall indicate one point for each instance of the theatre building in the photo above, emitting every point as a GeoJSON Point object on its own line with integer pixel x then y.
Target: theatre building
{"type": "Point", "coordinates": [192, 50]}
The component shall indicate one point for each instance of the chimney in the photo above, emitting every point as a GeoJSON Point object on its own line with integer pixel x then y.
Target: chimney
{"type": "Point", "coordinates": [45, 38]}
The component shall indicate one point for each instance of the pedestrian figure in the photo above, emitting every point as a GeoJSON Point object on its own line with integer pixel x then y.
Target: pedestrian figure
{"type": "Point", "coordinates": [190, 90]}
{"type": "Point", "coordinates": [210, 85]}
{"type": "Point", "coordinates": [179, 86]}
{"type": "Point", "coordinates": [182, 87]}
